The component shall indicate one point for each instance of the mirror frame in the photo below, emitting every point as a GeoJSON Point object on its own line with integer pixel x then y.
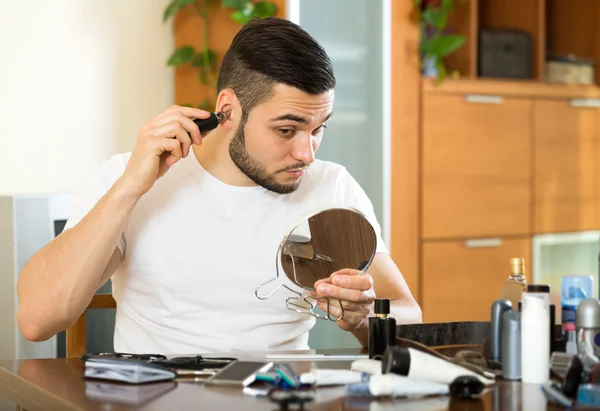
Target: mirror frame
{"type": "Point", "coordinates": [300, 303]}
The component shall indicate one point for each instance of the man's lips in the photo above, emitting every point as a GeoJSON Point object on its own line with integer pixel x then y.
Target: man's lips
{"type": "Point", "coordinates": [297, 172]}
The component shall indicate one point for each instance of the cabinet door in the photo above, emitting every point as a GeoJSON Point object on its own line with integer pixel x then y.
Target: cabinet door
{"type": "Point", "coordinates": [476, 166]}
{"type": "Point", "coordinates": [566, 178]}
{"type": "Point", "coordinates": [461, 279]}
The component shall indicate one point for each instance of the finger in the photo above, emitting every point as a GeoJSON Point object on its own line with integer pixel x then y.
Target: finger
{"type": "Point", "coordinates": [188, 125]}
{"type": "Point", "coordinates": [357, 282]}
{"type": "Point", "coordinates": [363, 308]}
{"type": "Point", "coordinates": [323, 301]}
{"type": "Point", "coordinates": [189, 112]}
{"type": "Point", "coordinates": [321, 281]}
{"type": "Point", "coordinates": [356, 295]}
{"type": "Point", "coordinates": [346, 271]}
{"type": "Point", "coordinates": [173, 130]}
{"type": "Point", "coordinates": [171, 146]}
{"type": "Point", "coordinates": [185, 140]}
{"type": "Point", "coordinates": [349, 319]}
{"type": "Point", "coordinates": [314, 293]}
{"type": "Point", "coordinates": [334, 309]}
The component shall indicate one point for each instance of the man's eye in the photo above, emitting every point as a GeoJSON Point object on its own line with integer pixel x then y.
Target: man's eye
{"type": "Point", "coordinates": [286, 132]}
{"type": "Point", "coordinates": [319, 129]}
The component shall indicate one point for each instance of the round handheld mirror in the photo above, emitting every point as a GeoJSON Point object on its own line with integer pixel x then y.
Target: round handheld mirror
{"type": "Point", "coordinates": [319, 245]}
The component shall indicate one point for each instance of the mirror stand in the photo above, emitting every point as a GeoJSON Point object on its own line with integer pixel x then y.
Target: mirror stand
{"type": "Point", "coordinates": [296, 303]}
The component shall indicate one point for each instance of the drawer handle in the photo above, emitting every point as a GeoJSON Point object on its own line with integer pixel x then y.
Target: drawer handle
{"type": "Point", "coordinates": [484, 242]}
{"type": "Point", "coordinates": [585, 102]}
{"type": "Point", "coordinates": [483, 99]}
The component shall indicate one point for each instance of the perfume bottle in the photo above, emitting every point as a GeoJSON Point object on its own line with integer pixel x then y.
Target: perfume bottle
{"type": "Point", "coordinates": [382, 328]}
{"type": "Point", "coordinates": [516, 284]}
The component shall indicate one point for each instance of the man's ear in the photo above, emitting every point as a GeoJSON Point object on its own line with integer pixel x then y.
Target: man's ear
{"type": "Point", "coordinates": [228, 103]}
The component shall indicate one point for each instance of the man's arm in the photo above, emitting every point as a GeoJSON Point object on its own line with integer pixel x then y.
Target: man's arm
{"type": "Point", "coordinates": [59, 281]}
{"type": "Point", "coordinates": [388, 282]}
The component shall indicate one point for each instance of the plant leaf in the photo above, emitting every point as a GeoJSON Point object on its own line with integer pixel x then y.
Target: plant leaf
{"type": "Point", "coordinates": [239, 17]}
{"type": "Point", "coordinates": [199, 60]}
{"type": "Point", "coordinates": [174, 7]}
{"type": "Point", "coordinates": [243, 15]}
{"type": "Point", "coordinates": [202, 76]}
{"type": "Point", "coordinates": [442, 72]}
{"type": "Point", "coordinates": [264, 9]}
{"type": "Point", "coordinates": [425, 46]}
{"type": "Point", "coordinates": [443, 46]}
{"type": "Point", "coordinates": [235, 4]}
{"type": "Point", "coordinates": [448, 4]}
{"type": "Point", "coordinates": [435, 17]}
{"type": "Point", "coordinates": [182, 55]}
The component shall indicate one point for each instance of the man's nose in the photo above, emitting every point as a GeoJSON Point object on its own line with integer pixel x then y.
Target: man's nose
{"type": "Point", "coordinates": [304, 150]}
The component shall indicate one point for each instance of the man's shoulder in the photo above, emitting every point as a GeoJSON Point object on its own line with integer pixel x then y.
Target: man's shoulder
{"type": "Point", "coordinates": [118, 160]}
{"type": "Point", "coordinates": [107, 172]}
{"type": "Point", "coordinates": [326, 171]}
{"type": "Point", "coordinates": [114, 165]}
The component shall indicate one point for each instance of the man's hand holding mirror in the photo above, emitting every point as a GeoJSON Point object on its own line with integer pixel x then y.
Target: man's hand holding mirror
{"type": "Point", "coordinates": [351, 288]}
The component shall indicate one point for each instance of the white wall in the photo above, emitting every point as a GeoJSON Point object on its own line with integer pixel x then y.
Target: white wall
{"type": "Point", "coordinates": [77, 79]}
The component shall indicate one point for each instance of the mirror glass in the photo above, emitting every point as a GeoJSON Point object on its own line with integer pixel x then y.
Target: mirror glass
{"type": "Point", "coordinates": [326, 242]}
{"type": "Point", "coordinates": [319, 245]}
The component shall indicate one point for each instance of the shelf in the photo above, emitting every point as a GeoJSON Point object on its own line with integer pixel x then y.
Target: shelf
{"type": "Point", "coordinates": [555, 27]}
{"type": "Point", "coordinates": [517, 15]}
{"type": "Point", "coordinates": [464, 22]}
{"type": "Point", "coordinates": [573, 29]}
{"type": "Point", "coordinates": [525, 88]}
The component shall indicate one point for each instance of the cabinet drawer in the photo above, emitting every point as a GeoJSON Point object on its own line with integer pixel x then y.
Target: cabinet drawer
{"type": "Point", "coordinates": [567, 167]}
{"type": "Point", "coordinates": [476, 166]}
{"type": "Point", "coordinates": [461, 279]}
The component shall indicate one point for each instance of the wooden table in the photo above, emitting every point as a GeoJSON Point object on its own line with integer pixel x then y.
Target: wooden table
{"type": "Point", "coordinates": [58, 384]}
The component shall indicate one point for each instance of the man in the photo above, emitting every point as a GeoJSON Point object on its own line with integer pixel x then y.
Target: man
{"type": "Point", "coordinates": [187, 226]}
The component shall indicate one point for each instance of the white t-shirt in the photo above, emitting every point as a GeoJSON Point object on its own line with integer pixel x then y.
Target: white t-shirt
{"type": "Point", "coordinates": [195, 249]}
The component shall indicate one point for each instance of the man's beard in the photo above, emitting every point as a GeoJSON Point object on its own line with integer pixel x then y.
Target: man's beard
{"type": "Point", "coordinates": [256, 171]}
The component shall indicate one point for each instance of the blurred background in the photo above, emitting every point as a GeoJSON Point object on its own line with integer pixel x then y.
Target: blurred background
{"type": "Point", "coordinates": [473, 126]}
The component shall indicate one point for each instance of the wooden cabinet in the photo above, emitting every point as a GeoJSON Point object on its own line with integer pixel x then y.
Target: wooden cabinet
{"type": "Point", "coordinates": [461, 279]}
{"type": "Point", "coordinates": [567, 165]}
{"type": "Point", "coordinates": [489, 157]}
{"type": "Point", "coordinates": [476, 166]}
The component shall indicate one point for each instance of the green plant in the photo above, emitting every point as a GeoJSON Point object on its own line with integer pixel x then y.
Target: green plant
{"type": "Point", "coordinates": [436, 41]}
{"type": "Point", "coordinates": [205, 59]}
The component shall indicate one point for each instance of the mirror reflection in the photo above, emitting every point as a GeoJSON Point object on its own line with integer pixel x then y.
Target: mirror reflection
{"type": "Point", "coordinates": [319, 245]}
{"type": "Point", "coordinates": [326, 242]}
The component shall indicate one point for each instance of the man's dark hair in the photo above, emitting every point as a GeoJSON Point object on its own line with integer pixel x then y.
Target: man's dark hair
{"type": "Point", "coordinates": [270, 51]}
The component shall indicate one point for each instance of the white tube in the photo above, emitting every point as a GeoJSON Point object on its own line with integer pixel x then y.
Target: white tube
{"type": "Point", "coordinates": [427, 367]}
{"type": "Point", "coordinates": [330, 377]}
{"type": "Point", "coordinates": [535, 338]}
{"type": "Point", "coordinates": [398, 386]}
{"type": "Point", "coordinates": [367, 366]}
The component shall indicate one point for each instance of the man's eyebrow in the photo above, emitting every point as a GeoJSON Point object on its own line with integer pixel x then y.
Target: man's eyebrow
{"type": "Point", "coordinates": [298, 119]}
{"type": "Point", "coordinates": [291, 117]}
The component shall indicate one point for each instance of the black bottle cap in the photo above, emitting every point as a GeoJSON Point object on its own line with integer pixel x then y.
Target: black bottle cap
{"type": "Point", "coordinates": [382, 306]}
{"type": "Point", "coordinates": [538, 288]}
{"type": "Point", "coordinates": [396, 360]}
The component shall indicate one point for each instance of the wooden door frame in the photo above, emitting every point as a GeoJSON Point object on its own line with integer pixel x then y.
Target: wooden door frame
{"type": "Point", "coordinates": [405, 145]}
